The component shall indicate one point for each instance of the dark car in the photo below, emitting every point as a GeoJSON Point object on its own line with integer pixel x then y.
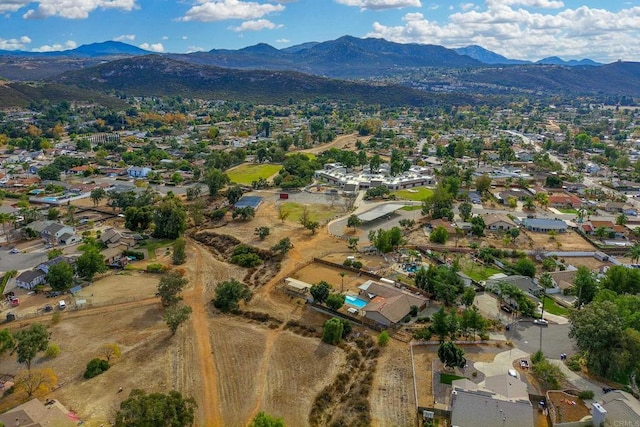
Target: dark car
{"type": "Point", "coordinates": [47, 308]}
{"type": "Point", "coordinates": [506, 308]}
{"type": "Point", "coordinates": [54, 294]}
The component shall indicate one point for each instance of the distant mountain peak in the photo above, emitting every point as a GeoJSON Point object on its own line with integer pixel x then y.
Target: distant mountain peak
{"type": "Point", "coordinates": [111, 47]}
{"type": "Point", "coordinates": [486, 56]}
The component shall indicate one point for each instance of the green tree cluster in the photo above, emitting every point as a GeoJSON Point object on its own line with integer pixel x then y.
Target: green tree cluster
{"type": "Point", "coordinates": [228, 295]}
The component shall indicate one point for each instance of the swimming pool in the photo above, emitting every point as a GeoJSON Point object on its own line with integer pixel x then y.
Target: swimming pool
{"type": "Point", "coordinates": [50, 199]}
{"type": "Point", "coordinates": [355, 301]}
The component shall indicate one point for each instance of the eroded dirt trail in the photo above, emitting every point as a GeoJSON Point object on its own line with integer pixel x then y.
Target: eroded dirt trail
{"type": "Point", "coordinates": [205, 368]}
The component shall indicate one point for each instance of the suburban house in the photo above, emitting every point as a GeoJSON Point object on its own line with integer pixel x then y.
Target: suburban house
{"type": "Point", "coordinates": [562, 200]}
{"type": "Point", "coordinates": [35, 413]}
{"type": "Point", "coordinates": [138, 172]}
{"type": "Point", "coordinates": [31, 278]}
{"type": "Point", "coordinates": [388, 305]}
{"type": "Point", "coordinates": [110, 236]}
{"type": "Point", "coordinates": [45, 266]}
{"type": "Point", "coordinates": [563, 280]}
{"type": "Point", "coordinates": [55, 231]}
{"type": "Point", "coordinates": [614, 207]}
{"type": "Point", "coordinates": [616, 408]}
{"type": "Point", "coordinates": [499, 222]}
{"type": "Point", "coordinates": [612, 230]}
{"type": "Point", "coordinates": [502, 401]}
{"type": "Point", "coordinates": [435, 223]}
{"type": "Point", "coordinates": [296, 286]}
{"type": "Point", "coordinates": [542, 225]}
{"type": "Point", "coordinates": [114, 257]}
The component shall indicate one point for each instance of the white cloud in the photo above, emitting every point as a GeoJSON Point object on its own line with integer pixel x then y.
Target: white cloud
{"type": "Point", "coordinates": [165, 37]}
{"type": "Point", "coordinates": [256, 25]}
{"type": "Point", "coordinates": [467, 6]}
{"type": "Point", "coordinates": [519, 33]}
{"type": "Point", "coordinates": [191, 49]}
{"type": "Point", "coordinates": [69, 44]}
{"type": "Point", "coordinates": [153, 47]}
{"type": "Point", "coordinates": [184, 37]}
{"type": "Point", "coordinates": [14, 44]}
{"type": "Point", "coordinates": [283, 41]}
{"type": "Point", "coordinates": [75, 9]}
{"type": "Point", "coordinates": [210, 11]}
{"type": "Point", "coordinates": [12, 5]}
{"type": "Point", "coordinates": [125, 37]}
{"type": "Point", "coordinates": [380, 4]}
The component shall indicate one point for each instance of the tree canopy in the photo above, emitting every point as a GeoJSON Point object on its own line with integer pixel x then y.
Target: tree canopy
{"type": "Point", "coordinates": [156, 409]}
{"type": "Point", "coordinates": [229, 294]}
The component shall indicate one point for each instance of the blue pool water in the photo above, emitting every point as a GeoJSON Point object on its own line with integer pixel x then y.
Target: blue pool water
{"type": "Point", "coordinates": [50, 199]}
{"type": "Point", "coordinates": [411, 268]}
{"type": "Point", "coordinates": [355, 301]}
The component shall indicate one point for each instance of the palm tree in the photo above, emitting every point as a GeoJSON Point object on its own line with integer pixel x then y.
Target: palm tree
{"type": "Point", "coordinates": [622, 219]}
{"type": "Point", "coordinates": [634, 253]}
{"type": "Point", "coordinates": [342, 274]}
{"type": "Point", "coordinates": [4, 219]}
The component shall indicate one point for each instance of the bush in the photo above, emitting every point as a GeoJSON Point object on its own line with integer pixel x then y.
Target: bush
{"type": "Point", "coordinates": [52, 351]}
{"type": "Point", "coordinates": [484, 336]}
{"type": "Point", "coordinates": [155, 268]}
{"type": "Point", "coordinates": [586, 395]}
{"type": "Point", "coordinates": [383, 339]}
{"type": "Point", "coordinates": [423, 319]}
{"type": "Point", "coordinates": [246, 260]}
{"type": "Point", "coordinates": [574, 364]}
{"type": "Point", "coordinates": [95, 367]}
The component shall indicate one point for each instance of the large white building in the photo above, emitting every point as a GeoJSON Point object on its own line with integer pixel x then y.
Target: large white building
{"type": "Point", "coordinates": [336, 174]}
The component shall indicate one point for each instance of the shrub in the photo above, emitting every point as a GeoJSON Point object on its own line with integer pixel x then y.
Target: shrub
{"type": "Point", "coordinates": [423, 319]}
{"type": "Point", "coordinates": [95, 367]}
{"type": "Point", "coordinates": [586, 395]}
{"type": "Point", "coordinates": [246, 260]}
{"type": "Point", "coordinates": [137, 255]}
{"type": "Point", "coordinates": [414, 311]}
{"type": "Point", "coordinates": [574, 364]}
{"type": "Point", "coordinates": [383, 338]}
{"type": "Point", "coordinates": [53, 350]}
{"type": "Point", "coordinates": [155, 268]}
{"type": "Point", "coordinates": [484, 336]}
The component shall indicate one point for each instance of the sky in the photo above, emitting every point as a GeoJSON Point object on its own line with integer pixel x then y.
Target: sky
{"type": "Point", "coordinates": [602, 30]}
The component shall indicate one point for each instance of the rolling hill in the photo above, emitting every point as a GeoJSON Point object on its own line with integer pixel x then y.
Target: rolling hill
{"type": "Point", "coordinates": [160, 75]}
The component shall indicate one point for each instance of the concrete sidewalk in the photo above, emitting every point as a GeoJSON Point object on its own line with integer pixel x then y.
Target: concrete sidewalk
{"type": "Point", "coordinates": [579, 382]}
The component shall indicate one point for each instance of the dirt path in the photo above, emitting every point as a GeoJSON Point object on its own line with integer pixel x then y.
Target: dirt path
{"type": "Point", "coordinates": [208, 400]}
{"type": "Point", "coordinates": [261, 374]}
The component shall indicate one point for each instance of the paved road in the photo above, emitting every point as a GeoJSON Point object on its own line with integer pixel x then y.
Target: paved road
{"type": "Point", "coordinates": [555, 338]}
{"type": "Point", "coordinates": [20, 261]}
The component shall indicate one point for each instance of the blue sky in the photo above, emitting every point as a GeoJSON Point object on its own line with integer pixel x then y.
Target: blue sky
{"type": "Point", "coordinates": [603, 30]}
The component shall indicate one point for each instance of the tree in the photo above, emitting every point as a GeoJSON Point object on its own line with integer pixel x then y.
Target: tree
{"type": "Point", "coordinates": [622, 219]}
{"type": "Point", "coordinates": [95, 367]}
{"type": "Point", "coordinates": [234, 194]}
{"type": "Point", "coordinates": [49, 173]}
{"type": "Point", "coordinates": [215, 179]}
{"type": "Point", "coordinates": [245, 213]}
{"type": "Point", "coordinates": [54, 253]}
{"type": "Point", "coordinates": [354, 222]}
{"type": "Point", "coordinates": [332, 331]}
{"type": "Point", "coordinates": [194, 193]}
{"type": "Point", "coordinates": [170, 287]}
{"type": "Point", "coordinates": [407, 223]}
{"type": "Point", "coordinates": [175, 316]}
{"type": "Point", "coordinates": [468, 295]}
{"type": "Point", "coordinates": [138, 218]}
{"type": "Point", "coordinates": [634, 253]}
{"type": "Point", "coordinates": [439, 203]}
{"type": "Point", "coordinates": [597, 330]}
{"type": "Point", "coordinates": [451, 355]}
{"type": "Point", "coordinates": [478, 226]}
{"type": "Point", "coordinates": [374, 163]}
{"type": "Point", "coordinates": [60, 276]}
{"type": "Point", "coordinates": [156, 409]}
{"type": "Point", "coordinates": [542, 198]}
{"type": "Point", "coordinates": [320, 292]}
{"type": "Point", "coordinates": [38, 382]}
{"type": "Point", "coordinates": [179, 253]}
{"type": "Point", "coordinates": [90, 263]}
{"type": "Point", "coordinates": [6, 341]}
{"type": "Point", "coordinates": [110, 350]}
{"type": "Point", "coordinates": [525, 266]}
{"type": "Point", "coordinates": [312, 226]}
{"type": "Point", "coordinates": [440, 324]}
{"type": "Point", "coordinates": [29, 342]}
{"type": "Point", "coordinates": [170, 218]}
{"type": "Point", "coordinates": [283, 214]}
{"type": "Point", "coordinates": [439, 235]}
{"type": "Point", "coordinates": [229, 294]}
{"type": "Point", "coordinates": [52, 214]}
{"type": "Point", "coordinates": [335, 301]}
{"type": "Point", "coordinates": [352, 243]}
{"type": "Point", "coordinates": [465, 210]}
{"type": "Point", "coordinates": [483, 183]}
{"type": "Point", "coordinates": [97, 194]}
{"type": "Point", "coordinates": [585, 286]}
{"type": "Point", "coordinates": [550, 376]}
{"type": "Point", "coordinates": [283, 246]}
{"type": "Point", "coordinates": [265, 420]}
{"type": "Point", "coordinates": [262, 232]}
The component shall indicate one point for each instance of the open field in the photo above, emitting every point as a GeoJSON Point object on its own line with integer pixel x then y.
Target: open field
{"type": "Point", "coordinates": [475, 271]}
{"type": "Point", "coordinates": [313, 273]}
{"type": "Point", "coordinates": [569, 241]}
{"type": "Point", "coordinates": [415, 194]}
{"type": "Point", "coordinates": [247, 173]}
{"type": "Point", "coordinates": [317, 212]}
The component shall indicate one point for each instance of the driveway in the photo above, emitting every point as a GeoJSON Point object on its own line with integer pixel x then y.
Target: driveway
{"type": "Point", "coordinates": [555, 338]}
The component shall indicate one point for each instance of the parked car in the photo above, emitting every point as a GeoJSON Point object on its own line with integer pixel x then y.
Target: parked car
{"type": "Point", "coordinates": [53, 294]}
{"type": "Point", "coordinates": [47, 308]}
{"type": "Point", "coordinates": [14, 251]}
{"type": "Point", "coordinates": [541, 322]}
{"type": "Point", "coordinates": [62, 305]}
{"type": "Point", "coordinates": [506, 308]}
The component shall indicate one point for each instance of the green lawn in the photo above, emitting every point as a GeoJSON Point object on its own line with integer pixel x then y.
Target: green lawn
{"type": "Point", "coordinates": [247, 173]}
{"type": "Point", "coordinates": [447, 378]}
{"type": "Point", "coordinates": [416, 194]}
{"type": "Point", "coordinates": [479, 273]}
{"type": "Point", "coordinates": [568, 211]}
{"type": "Point", "coordinates": [550, 306]}
{"type": "Point", "coordinates": [320, 213]}
{"type": "Point", "coordinates": [152, 244]}
{"type": "Point", "coordinates": [311, 156]}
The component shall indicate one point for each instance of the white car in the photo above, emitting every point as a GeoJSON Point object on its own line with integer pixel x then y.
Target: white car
{"type": "Point", "coordinates": [14, 251]}
{"type": "Point", "coordinates": [541, 322]}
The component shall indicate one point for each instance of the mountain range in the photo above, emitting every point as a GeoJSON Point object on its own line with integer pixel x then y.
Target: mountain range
{"type": "Point", "coordinates": [421, 74]}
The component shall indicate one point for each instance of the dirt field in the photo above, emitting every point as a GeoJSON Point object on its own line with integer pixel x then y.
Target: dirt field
{"type": "Point", "coordinates": [569, 241]}
{"type": "Point", "coordinates": [392, 395]}
{"type": "Point", "coordinates": [565, 410]}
